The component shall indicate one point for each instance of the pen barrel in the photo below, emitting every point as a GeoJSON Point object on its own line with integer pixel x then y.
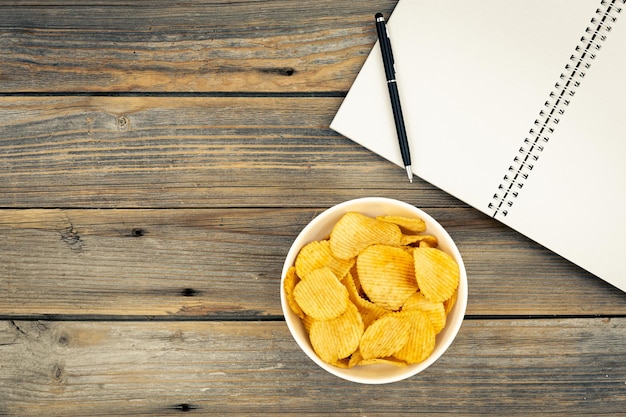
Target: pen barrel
{"type": "Point", "coordinates": [399, 121]}
{"type": "Point", "coordinates": [385, 48]}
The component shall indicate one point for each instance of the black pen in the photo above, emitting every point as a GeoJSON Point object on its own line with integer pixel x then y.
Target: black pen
{"type": "Point", "coordinates": [390, 73]}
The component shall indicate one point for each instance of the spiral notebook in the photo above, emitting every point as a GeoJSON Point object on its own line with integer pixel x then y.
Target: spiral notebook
{"type": "Point", "coordinates": [515, 107]}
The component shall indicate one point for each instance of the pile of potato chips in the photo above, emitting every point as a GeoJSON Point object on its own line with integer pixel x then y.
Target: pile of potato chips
{"type": "Point", "coordinates": [378, 290]}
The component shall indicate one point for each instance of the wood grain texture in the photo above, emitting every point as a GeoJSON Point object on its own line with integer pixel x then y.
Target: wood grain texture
{"type": "Point", "coordinates": [156, 152]}
{"type": "Point", "coordinates": [226, 263]}
{"type": "Point", "coordinates": [110, 368]}
{"type": "Point", "coordinates": [191, 46]}
{"type": "Point", "coordinates": [157, 159]}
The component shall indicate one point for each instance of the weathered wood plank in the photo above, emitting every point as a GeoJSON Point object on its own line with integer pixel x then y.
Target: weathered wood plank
{"type": "Point", "coordinates": [226, 263]}
{"type": "Point", "coordinates": [187, 152]}
{"type": "Point", "coordinates": [193, 46]}
{"type": "Point", "coordinates": [217, 368]}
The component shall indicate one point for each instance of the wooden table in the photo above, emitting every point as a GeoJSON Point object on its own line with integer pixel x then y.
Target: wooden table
{"type": "Point", "coordinates": [157, 159]}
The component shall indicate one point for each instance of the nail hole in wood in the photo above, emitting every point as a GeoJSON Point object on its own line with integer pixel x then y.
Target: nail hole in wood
{"type": "Point", "coordinates": [184, 407]}
{"type": "Point", "coordinates": [64, 340]}
{"type": "Point", "coordinates": [189, 292]}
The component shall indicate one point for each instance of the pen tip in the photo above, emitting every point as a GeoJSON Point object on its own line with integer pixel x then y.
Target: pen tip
{"type": "Point", "coordinates": [409, 172]}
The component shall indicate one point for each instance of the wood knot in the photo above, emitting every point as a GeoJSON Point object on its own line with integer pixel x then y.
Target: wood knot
{"type": "Point", "coordinates": [137, 232]}
{"type": "Point", "coordinates": [64, 340]}
{"type": "Point", "coordinates": [58, 373]}
{"type": "Point", "coordinates": [72, 238]}
{"type": "Point", "coordinates": [123, 123]}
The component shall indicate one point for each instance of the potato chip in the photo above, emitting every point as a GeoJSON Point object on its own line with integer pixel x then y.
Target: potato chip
{"type": "Point", "coordinates": [421, 341]}
{"type": "Point", "coordinates": [369, 311]}
{"type": "Point", "coordinates": [291, 280]}
{"type": "Point", "coordinates": [355, 232]}
{"type": "Point", "coordinates": [355, 359]}
{"type": "Point", "coordinates": [338, 338]}
{"type": "Point", "coordinates": [406, 224]}
{"type": "Point", "coordinates": [321, 295]}
{"type": "Point", "coordinates": [384, 337]}
{"type": "Point", "coordinates": [317, 254]}
{"type": "Point", "coordinates": [342, 363]}
{"type": "Point", "coordinates": [430, 240]}
{"type": "Point", "coordinates": [450, 302]}
{"type": "Point", "coordinates": [307, 321]}
{"type": "Point", "coordinates": [434, 310]}
{"type": "Point", "coordinates": [437, 273]}
{"type": "Point", "coordinates": [387, 275]}
{"type": "Point", "coordinates": [384, 361]}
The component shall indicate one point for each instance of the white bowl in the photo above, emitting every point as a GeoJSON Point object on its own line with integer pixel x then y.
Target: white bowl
{"type": "Point", "coordinates": [318, 229]}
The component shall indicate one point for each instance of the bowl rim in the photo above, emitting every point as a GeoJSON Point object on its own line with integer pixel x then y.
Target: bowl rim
{"type": "Point", "coordinates": [317, 229]}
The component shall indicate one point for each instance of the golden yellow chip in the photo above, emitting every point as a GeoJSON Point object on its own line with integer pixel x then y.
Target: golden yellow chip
{"type": "Point", "coordinates": [421, 341]}
{"type": "Point", "coordinates": [450, 302]}
{"type": "Point", "coordinates": [437, 273]}
{"type": "Point", "coordinates": [387, 275]}
{"type": "Point", "coordinates": [429, 240]}
{"type": "Point", "coordinates": [317, 254]}
{"type": "Point", "coordinates": [291, 280]}
{"type": "Point", "coordinates": [369, 311]}
{"type": "Point", "coordinates": [386, 361]}
{"type": "Point", "coordinates": [384, 337]}
{"type": "Point", "coordinates": [355, 232]}
{"type": "Point", "coordinates": [307, 321]}
{"type": "Point", "coordinates": [407, 224]}
{"type": "Point", "coordinates": [434, 310]}
{"type": "Point", "coordinates": [321, 295]}
{"type": "Point", "coordinates": [355, 359]}
{"type": "Point", "coordinates": [338, 338]}
{"type": "Point", "coordinates": [342, 363]}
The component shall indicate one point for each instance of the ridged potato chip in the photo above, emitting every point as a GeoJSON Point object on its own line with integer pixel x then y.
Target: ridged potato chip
{"type": "Point", "coordinates": [317, 254]}
{"type": "Point", "coordinates": [321, 295]}
{"type": "Point", "coordinates": [434, 310]}
{"type": "Point", "coordinates": [291, 280]}
{"type": "Point", "coordinates": [357, 359]}
{"type": "Point", "coordinates": [407, 224]}
{"type": "Point", "coordinates": [307, 321]}
{"type": "Point", "coordinates": [437, 273]}
{"type": "Point", "coordinates": [421, 341]}
{"type": "Point", "coordinates": [355, 232]}
{"type": "Point", "coordinates": [342, 363]}
{"type": "Point", "coordinates": [430, 240]}
{"type": "Point", "coordinates": [383, 361]}
{"type": "Point", "coordinates": [338, 338]}
{"type": "Point", "coordinates": [384, 337]}
{"type": "Point", "coordinates": [450, 302]}
{"type": "Point", "coordinates": [387, 275]}
{"type": "Point", "coordinates": [370, 312]}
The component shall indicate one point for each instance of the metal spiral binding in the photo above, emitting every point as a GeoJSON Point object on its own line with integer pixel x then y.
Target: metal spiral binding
{"type": "Point", "coordinates": [554, 107]}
